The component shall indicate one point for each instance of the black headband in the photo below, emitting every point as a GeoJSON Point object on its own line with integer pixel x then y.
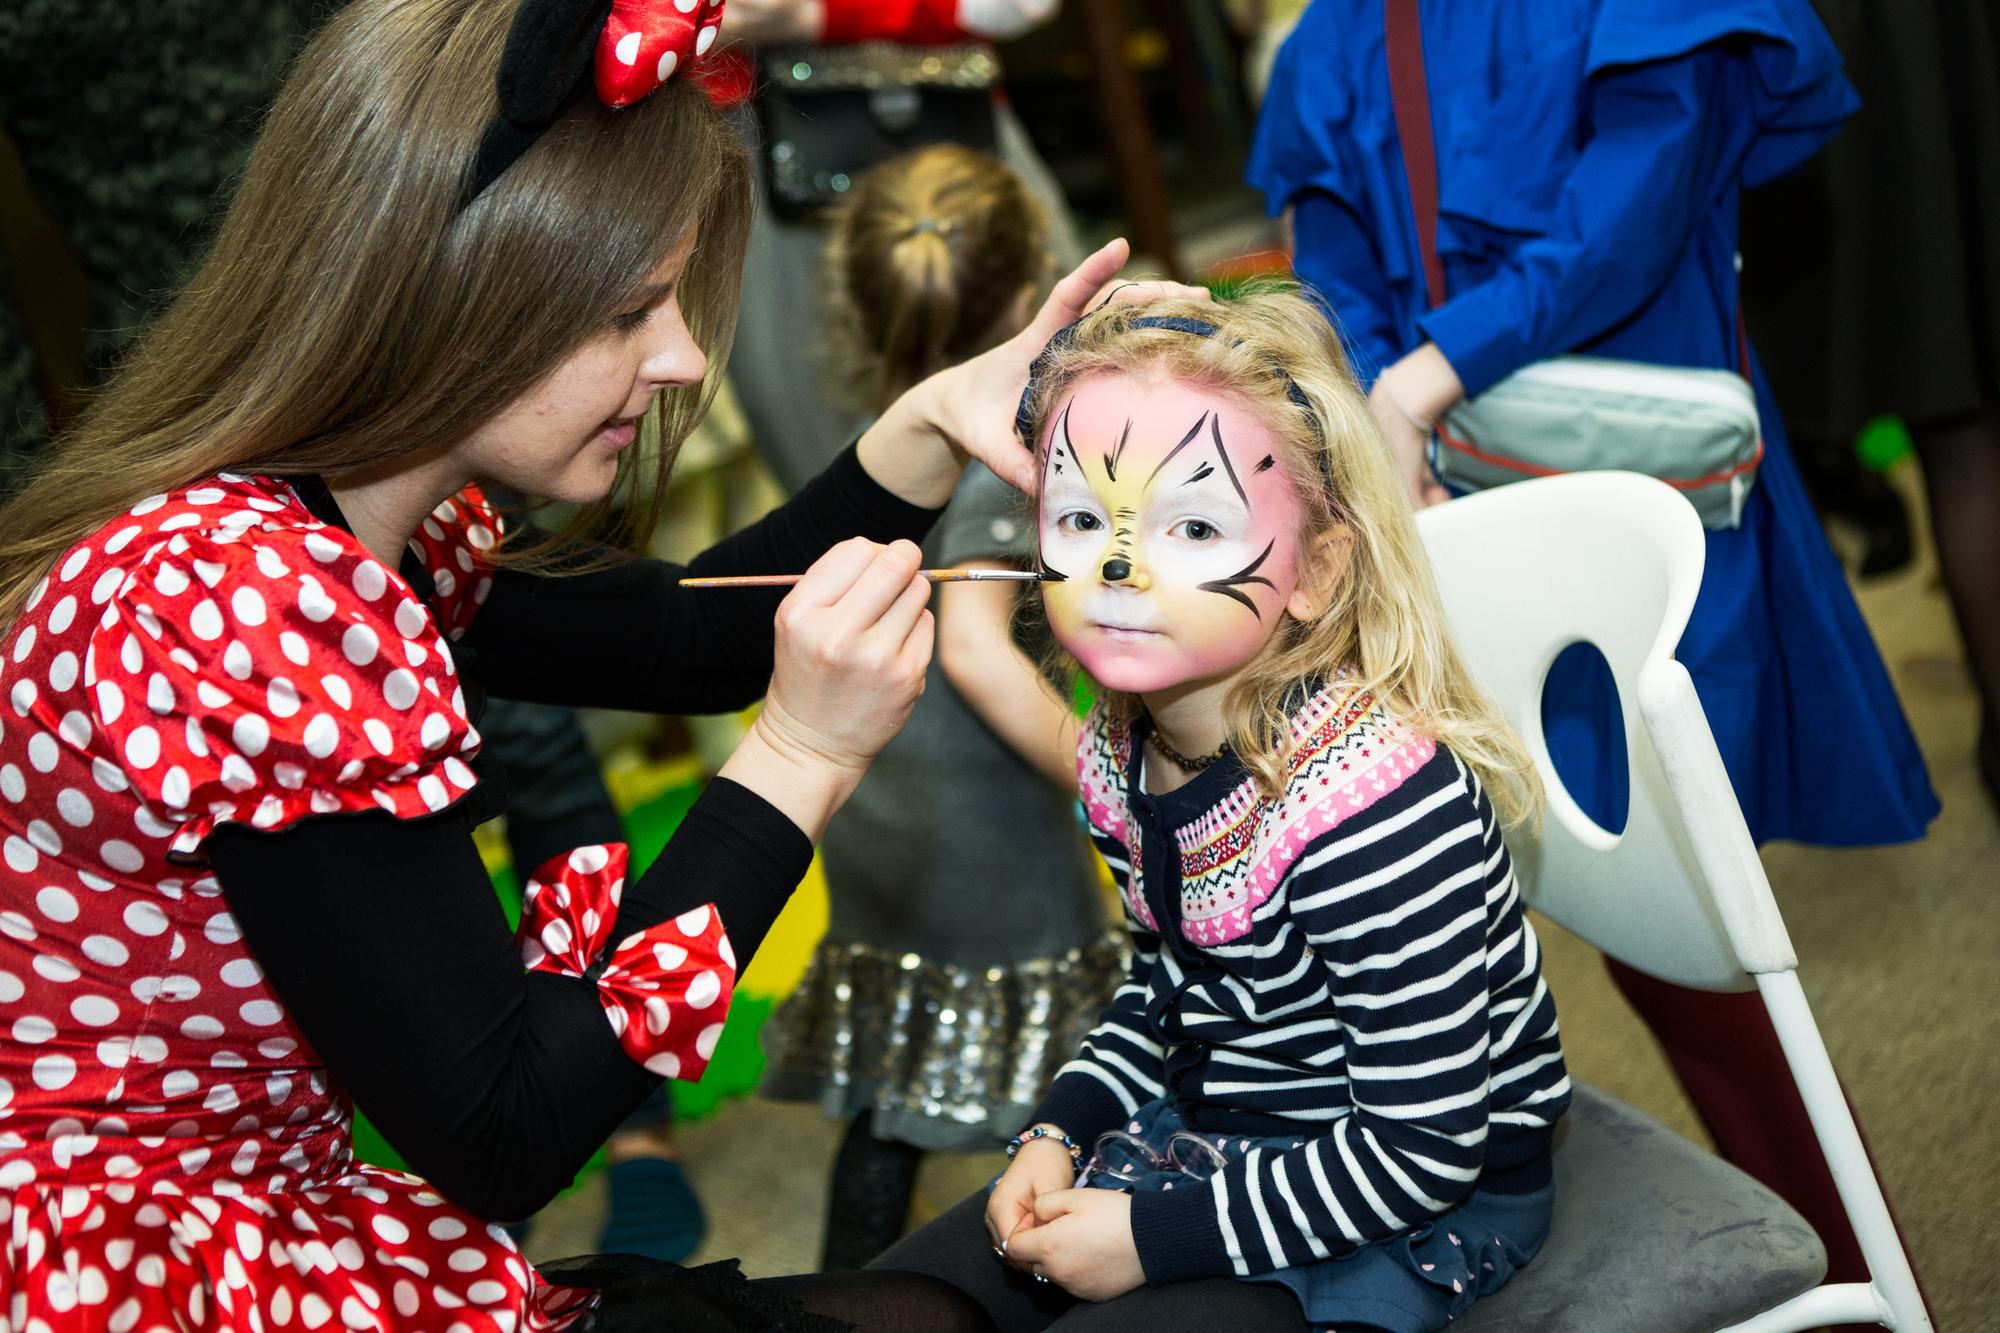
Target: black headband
{"type": "Point", "coordinates": [556, 49]}
{"type": "Point", "coordinates": [1024, 415]}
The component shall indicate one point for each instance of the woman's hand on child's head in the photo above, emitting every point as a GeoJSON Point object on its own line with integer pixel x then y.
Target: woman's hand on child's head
{"type": "Point", "coordinates": [994, 381]}
{"type": "Point", "coordinates": [1082, 1242]}
{"type": "Point", "coordinates": [970, 407]}
{"type": "Point", "coordinates": [854, 639]}
{"type": "Point", "coordinates": [1042, 1166]}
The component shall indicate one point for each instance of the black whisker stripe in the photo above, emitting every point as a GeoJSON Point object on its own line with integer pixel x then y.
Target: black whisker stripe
{"type": "Point", "coordinates": [1264, 464]}
{"type": "Point", "coordinates": [1248, 574]}
{"type": "Point", "coordinates": [1111, 459]}
{"type": "Point", "coordinates": [1205, 470]}
{"type": "Point", "coordinates": [1215, 429]}
{"type": "Point", "coordinates": [1186, 440]}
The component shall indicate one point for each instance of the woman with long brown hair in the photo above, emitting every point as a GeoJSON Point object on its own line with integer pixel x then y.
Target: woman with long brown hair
{"type": "Point", "coordinates": [252, 606]}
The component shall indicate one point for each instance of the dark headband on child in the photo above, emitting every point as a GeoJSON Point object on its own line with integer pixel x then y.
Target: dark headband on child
{"type": "Point", "coordinates": [557, 48]}
{"type": "Point", "coordinates": [1024, 415]}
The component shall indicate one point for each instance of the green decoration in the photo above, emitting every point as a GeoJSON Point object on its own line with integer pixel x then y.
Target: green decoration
{"type": "Point", "coordinates": [1883, 443]}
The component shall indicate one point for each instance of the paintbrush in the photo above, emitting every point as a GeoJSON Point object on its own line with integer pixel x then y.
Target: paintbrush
{"type": "Point", "coordinates": [934, 575]}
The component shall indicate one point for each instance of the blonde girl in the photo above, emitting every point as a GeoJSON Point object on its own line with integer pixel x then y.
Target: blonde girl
{"type": "Point", "coordinates": [1326, 1092]}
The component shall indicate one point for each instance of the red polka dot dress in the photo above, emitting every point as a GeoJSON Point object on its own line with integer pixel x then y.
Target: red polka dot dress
{"type": "Point", "coordinates": [172, 1152]}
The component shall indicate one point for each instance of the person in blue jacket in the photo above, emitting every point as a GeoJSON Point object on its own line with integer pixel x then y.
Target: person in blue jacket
{"type": "Point", "coordinates": [1590, 155]}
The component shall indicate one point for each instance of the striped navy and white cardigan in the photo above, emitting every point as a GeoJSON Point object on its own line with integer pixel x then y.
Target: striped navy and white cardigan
{"type": "Point", "coordinates": [1349, 965]}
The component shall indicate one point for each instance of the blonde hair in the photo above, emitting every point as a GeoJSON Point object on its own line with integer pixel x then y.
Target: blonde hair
{"type": "Point", "coordinates": [350, 312]}
{"type": "Point", "coordinates": [1384, 625]}
{"type": "Point", "coordinates": [928, 253]}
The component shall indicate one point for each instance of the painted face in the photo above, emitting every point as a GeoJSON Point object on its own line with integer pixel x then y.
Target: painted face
{"type": "Point", "coordinates": [1173, 526]}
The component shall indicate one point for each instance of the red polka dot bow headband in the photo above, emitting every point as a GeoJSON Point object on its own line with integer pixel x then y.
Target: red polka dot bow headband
{"type": "Point", "coordinates": [625, 48]}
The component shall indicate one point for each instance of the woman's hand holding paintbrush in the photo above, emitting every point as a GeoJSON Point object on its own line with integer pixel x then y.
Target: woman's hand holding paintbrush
{"type": "Point", "coordinates": [853, 642]}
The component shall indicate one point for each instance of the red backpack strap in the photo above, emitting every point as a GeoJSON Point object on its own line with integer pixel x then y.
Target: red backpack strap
{"type": "Point", "coordinates": [1409, 93]}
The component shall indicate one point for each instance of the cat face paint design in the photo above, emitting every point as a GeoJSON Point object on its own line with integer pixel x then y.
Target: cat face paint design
{"type": "Point", "coordinates": [1169, 530]}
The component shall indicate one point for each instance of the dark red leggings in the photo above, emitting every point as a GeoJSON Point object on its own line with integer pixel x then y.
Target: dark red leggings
{"type": "Point", "coordinates": [1725, 1052]}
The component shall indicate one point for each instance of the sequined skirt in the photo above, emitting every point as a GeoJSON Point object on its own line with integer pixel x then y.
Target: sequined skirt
{"type": "Point", "coordinates": [947, 1058]}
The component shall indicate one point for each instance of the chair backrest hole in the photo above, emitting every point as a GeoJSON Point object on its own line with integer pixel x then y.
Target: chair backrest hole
{"type": "Point", "coordinates": [1583, 725]}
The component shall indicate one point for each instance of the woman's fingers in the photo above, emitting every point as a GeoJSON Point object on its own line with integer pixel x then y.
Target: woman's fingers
{"type": "Point", "coordinates": [828, 579]}
{"type": "Point", "coordinates": [877, 587]}
{"type": "Point", "coordinates": [1077, 289]}
{"type": "Point", "coordinates": [853, 642]}
{"type": "Point", "coordinates": [1142, 293]}
{"type": "Point", "coordinates": [1008, 458]}
{"type": "Point", "coordinates": [920, 644]}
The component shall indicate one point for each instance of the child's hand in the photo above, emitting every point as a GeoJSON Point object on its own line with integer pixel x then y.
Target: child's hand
{"type": "Point", "coordinates": [1082, 1242]}
{"type": "Point", "coordinates": [1042, 1166]}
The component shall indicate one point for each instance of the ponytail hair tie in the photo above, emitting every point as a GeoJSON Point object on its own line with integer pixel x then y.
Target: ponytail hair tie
{"type": "Point", "coordinates": [556, 49]}
{"type": "Point", "coordinates": [931, 226]}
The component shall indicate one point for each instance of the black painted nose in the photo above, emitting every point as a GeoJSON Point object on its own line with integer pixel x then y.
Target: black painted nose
{"type": "Point", "coordinates": [1117, 569]}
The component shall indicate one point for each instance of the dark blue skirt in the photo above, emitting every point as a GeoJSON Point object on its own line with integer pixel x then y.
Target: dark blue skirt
{"type": "Point", "coordinates": [1412, 1283]}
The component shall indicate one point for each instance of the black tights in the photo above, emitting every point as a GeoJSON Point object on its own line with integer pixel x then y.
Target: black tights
{"type": "Point", "coordinates": [1961, 461]}
{"type": "Point", "coordinates": [882, 1302]}
{"type": "Point", "coordinates": [639, 1296]}
{"type": "Point", "coordinates": [955, 1247]}
{"type": "Point", "coordinates": [870, 1199]}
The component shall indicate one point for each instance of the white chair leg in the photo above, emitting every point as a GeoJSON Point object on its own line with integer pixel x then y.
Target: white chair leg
{"type": "Point", "coordinates": [1843, 1303]}
{"type": "Point", "coordinates": [1889, 1267]}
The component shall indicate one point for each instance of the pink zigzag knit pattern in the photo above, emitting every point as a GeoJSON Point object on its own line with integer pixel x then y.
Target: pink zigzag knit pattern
{"type": "Point", "coordinates": [1347, 753]}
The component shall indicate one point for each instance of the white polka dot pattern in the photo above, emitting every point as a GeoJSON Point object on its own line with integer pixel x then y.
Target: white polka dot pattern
{"type": "Point", "coordinates": [172, 1153]}
{"type": "Point", "coordinates": [664, 990]}
{"type": "Point", "coordinates": [644, 41]}
{"type": "Point", "coordinates": [327, 661]}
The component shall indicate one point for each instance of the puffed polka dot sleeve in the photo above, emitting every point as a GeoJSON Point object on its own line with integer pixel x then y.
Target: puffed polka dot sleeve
{"type": "Point", "coordinates": [259, 673]}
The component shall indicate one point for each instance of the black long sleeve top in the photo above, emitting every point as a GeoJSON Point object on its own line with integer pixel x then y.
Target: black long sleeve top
{"type": "Point", "coordinates": [383, 936]}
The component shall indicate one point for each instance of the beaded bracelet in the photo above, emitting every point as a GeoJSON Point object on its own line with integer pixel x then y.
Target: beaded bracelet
{"type": "Point", "coordinates": [1044, 1132]}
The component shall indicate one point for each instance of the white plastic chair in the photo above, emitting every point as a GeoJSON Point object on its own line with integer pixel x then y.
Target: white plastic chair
{"type": "Point", "coordinates": [1615, 559]}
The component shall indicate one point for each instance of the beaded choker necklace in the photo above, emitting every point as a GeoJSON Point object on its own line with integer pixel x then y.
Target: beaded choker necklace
{"type": "Point", "coordinates": [1179, 760]}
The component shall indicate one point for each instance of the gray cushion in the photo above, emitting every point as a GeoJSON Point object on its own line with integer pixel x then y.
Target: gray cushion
{"type": "Point", "coordinates": [1651, 1235]}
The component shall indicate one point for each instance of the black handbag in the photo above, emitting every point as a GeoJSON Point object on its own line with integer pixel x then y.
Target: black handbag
{"type": "Point", "coordinates": [831, 112]}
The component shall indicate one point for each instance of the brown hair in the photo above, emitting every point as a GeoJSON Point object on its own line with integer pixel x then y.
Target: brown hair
{"type": "Point", "coordinates": [349, 313]}
{"type": "Point", "coordinates": [1384, 623]}
{"type": "Point", "coordinates": [929, 252]}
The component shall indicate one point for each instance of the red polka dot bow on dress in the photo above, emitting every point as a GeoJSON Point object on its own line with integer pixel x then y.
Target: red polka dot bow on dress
{"type": "Point", "coordinates": [556, 49]}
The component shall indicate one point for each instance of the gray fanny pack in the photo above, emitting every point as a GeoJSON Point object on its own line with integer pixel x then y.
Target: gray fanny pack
{"type": "Point", "coordinates": [1696, 430]}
